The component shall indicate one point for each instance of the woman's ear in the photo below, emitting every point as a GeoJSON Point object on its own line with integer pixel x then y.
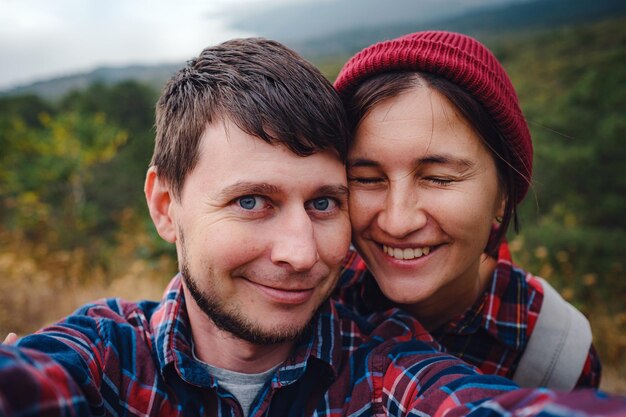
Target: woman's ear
{"type": "Point", "coordinates": [160, 200]}
{"type": "Point", "coordinates": [502, 207]}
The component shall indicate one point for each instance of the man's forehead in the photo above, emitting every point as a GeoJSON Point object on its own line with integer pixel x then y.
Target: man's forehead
{"type": "Point", "coordinates": [225, 130]}
{"type": "Point", "coordinates": [238, 164]}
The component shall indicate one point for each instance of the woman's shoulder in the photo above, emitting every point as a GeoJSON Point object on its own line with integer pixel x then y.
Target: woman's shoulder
{"type": "Point", "coordinates": [512, 282]}
{"type": "Point", "coordinates": [558, 349]}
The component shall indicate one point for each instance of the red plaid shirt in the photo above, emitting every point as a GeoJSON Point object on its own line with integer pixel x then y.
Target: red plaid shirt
{"type": "Point", "coordinates": [492, 334]}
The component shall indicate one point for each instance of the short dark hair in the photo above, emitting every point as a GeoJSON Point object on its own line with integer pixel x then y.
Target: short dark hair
{"type": "Point", "coordinates": [391, 84]}
{"type": "Point", "coordinates": [263, 87]}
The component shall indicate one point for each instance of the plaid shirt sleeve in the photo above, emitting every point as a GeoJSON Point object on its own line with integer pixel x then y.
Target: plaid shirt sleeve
{"type": "Point", "coordinates": [545, 402]}
{"type": "Point", "coordinates": [415, 379]}
{"type": "Point", "coordinates": [77, 351]}
{"type": "Point", "coordinates": [442, 385]}
{"type": "Point", "coordinates": [32, 384]}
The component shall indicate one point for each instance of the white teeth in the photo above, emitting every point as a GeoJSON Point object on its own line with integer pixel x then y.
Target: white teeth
{"type": "Point", "coordinates": [407, 253]}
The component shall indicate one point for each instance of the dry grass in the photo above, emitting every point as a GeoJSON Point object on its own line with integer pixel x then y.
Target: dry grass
{"type": "Point", "coordinates": [31, 297]}
{"type": "Point", "coordinates": [40, 286]}
{"type": "Point", "coordinates": [610, 339]}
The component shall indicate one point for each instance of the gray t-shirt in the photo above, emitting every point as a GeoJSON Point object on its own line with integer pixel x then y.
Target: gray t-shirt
{"type": "Point", "coordinates": [245, 387]}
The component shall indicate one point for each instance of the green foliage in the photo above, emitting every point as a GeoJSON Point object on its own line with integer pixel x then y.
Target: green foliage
{"type": "Point", "coordinates": [71, 170]}
{"type": "Point", "coordinates": [27, 108]}
{"type": "Point", "coordinates": [129, 105]}
{"type": "Point", "coordinates": [43, 180]}
{"type": "Point", "coordinates": [570, 84]}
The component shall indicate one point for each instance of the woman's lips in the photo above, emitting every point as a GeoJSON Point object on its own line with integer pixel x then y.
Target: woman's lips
{"type": "Point", "coordinates": [406, 253]}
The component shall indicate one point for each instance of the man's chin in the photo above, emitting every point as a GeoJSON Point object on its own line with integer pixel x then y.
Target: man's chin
{"type": "Point", "coordinates": [258, 336]}
{"type": "Point", "coordinates": [273, 330]}
{"type": "Point", "coordinates": [268, 326]}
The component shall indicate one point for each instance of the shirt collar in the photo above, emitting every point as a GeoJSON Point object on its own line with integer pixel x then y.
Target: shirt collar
{"type": "Point", "coordinates": [173, 341]}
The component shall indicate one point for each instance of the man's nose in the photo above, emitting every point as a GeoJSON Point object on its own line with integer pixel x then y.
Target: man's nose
{"type": "Point", "coordinates": [402, 212]}
{"type": "Point", "coordinates": [294, 243]}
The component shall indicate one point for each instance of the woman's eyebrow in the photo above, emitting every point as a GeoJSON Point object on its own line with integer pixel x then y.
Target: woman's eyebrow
{"type": "Point", "coordinates": [461, 163]}
{"type": "Point", "coordinates": [436, 159]}
{"type": "Point", "coordinates": [362, 162]}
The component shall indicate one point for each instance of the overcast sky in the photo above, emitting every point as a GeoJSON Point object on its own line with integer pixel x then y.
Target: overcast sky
{"type": "Point", "coordinates": [42, 39]}
{"type": "Point", "coordinates": [45, 38]}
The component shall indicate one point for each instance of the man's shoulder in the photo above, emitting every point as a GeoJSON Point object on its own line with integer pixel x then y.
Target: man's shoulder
{"type": "Point", "coordinates": [111, 312]}
{"type": "Point", "coordinates": [102, 322]}
{"type": "Point", "coordinates": [100, 342]}
{"type": "Point", "coordinates": [118, 310]}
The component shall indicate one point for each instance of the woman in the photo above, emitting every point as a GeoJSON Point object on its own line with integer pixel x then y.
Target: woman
{"type": "Point", "coordinates": [440, 158]}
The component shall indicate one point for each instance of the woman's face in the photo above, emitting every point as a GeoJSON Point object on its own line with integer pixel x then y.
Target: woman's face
{"type": "Point", "coordinates": [424, 193]}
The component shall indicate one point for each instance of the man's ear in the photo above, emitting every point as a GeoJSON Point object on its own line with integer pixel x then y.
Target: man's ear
{"type": "Point", "coordinates": [160, 200]}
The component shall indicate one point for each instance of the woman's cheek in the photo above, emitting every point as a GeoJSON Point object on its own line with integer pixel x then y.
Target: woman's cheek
{"type": "Point", "coordinates": [363, 206]}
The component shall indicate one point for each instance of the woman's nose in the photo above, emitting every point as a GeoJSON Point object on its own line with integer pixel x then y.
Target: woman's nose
{"type": "Point", "coordinates": [402, 212]}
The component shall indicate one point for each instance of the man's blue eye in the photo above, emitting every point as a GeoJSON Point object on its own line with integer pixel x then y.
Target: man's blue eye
{"type": "Point", "coordinates": [247, 202]}
{"type": "Point", "coordinates": [321, 204]}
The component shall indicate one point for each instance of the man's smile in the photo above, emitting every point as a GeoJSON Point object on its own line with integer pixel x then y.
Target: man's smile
{"type": "Point", "coordinates": [283, 295]}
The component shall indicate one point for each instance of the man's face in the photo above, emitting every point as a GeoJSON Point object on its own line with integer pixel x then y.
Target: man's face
{"type": "Point", "coordinates": [260, 234]}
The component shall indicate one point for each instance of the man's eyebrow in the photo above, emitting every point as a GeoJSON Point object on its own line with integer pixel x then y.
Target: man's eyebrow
{"type": "Point", "coordinates": [250, 188]}
{"type": "Point", "coordinates": [338, 190]}
{"type": "Point", "coordinates": [247, 188]}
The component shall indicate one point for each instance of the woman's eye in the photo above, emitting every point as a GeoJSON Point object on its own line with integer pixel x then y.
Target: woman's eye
{"type": "Point", "coordinates": [250, 202]}
{"type": "Point", "coordinates": [440, 181]}
{"type": "Point", "coordinates": [365, 180]}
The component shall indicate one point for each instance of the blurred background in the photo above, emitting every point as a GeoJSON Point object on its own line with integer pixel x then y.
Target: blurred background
{"type": "Point", "coordinates": [78, 84]}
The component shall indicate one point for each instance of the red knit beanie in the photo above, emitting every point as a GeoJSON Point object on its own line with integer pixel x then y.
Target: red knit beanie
{"type": "Point", "coordinates": [461, 60]}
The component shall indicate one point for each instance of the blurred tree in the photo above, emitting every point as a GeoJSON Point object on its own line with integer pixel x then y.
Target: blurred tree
{"type": "Point", "coordinates": [131, 106]}
{"type": "Point", "coordinates": [27, 108]}
{"type": "Point", "coordinates": [44, 176]}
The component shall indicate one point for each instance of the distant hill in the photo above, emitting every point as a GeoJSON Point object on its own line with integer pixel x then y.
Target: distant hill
{"type": "Point", "coordinates": [300, 21]}
{"type": "Point", "coordinates": [55, 88]}
{"type": "Point", "coordinates": [483, 23]}
{"type": "Point", "coordinates": [503, 17]}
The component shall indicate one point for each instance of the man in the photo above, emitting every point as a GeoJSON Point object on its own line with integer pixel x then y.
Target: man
{"type": "Point", "coordinates": [247, 181]}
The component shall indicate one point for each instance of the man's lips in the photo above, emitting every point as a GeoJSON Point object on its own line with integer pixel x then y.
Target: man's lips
{"type": "Point", "coordinates": [283, 296]}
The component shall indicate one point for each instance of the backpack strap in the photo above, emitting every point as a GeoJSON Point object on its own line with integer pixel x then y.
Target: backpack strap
{"type": "Point", "coordinates": [558, 347]}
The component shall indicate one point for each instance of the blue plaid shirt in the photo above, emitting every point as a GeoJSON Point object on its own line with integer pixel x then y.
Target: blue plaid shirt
{"type": "Point", "coordinates": [119, 358]}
